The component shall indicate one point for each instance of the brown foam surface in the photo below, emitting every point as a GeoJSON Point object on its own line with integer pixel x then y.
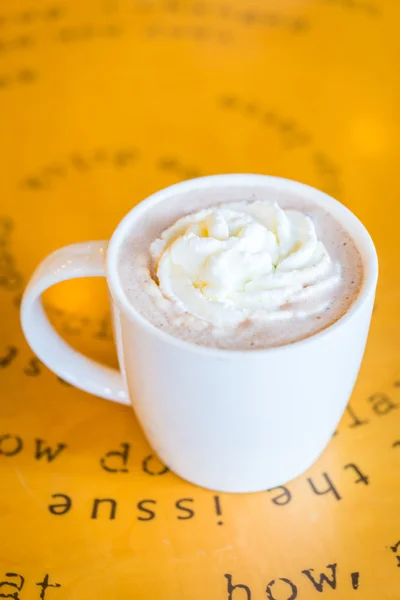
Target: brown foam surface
{"type": "Point", "coordinates": [138, 279]}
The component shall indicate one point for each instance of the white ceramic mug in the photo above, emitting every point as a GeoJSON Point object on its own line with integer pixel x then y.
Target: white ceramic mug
{"type": "Point", "coordinates": [229, 420]}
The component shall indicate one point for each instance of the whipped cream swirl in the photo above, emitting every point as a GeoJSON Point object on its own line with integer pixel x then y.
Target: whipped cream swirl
{"type": "Point", "coordinates": [244, 260]}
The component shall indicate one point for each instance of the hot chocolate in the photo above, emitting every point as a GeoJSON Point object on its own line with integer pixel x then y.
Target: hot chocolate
{"type": "Point", "coordinates": [240, 269]}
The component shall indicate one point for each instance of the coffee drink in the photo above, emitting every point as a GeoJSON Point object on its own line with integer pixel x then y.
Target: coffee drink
{"type": "Point", "coordinates": [240, 268]}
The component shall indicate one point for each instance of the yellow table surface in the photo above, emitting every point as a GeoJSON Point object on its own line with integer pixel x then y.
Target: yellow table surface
{"type": "Point", "coordinates": [102, 103]}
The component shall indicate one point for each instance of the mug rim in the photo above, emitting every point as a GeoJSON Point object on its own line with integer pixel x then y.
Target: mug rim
{"type": "Point", "coordinates": [338, 210]}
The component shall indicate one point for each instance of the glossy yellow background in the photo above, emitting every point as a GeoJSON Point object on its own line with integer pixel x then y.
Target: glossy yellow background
{"type": "Point", "coordinates": [102, 103]}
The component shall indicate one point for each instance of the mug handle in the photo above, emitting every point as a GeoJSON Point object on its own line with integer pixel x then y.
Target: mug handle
{"type": "Point", "coordinates": [72, 262]}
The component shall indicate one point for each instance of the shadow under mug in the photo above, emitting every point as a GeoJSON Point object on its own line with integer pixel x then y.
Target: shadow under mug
{"type": "Point", "coordinates": [228, 420]}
